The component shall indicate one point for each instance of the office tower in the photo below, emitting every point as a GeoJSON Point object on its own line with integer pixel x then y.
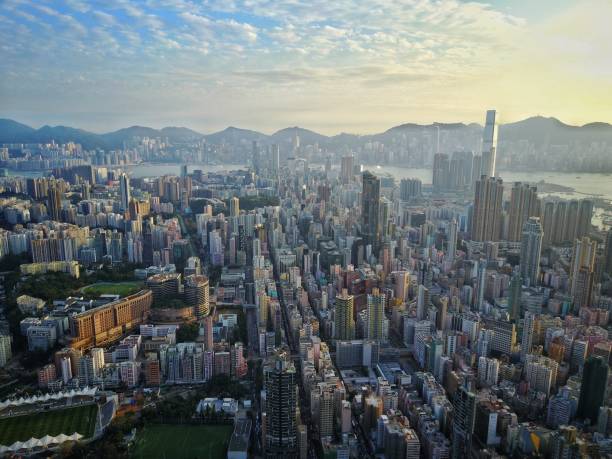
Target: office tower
{"type": "Point", "coordinates": [275, 160]}
{"type": "Point", "coordinates": [528, 332]}
{"type": "Point", "coordinates": [280, 379]}
{"type": "Point", "coordinates": [124, 191]}
{"type": "Point", "coordinates": [582, 271]}
{"type": "Point", "coordinates": [523, 204]}
{"type": "Point", "coordinates": [196, 294]}
{"type": "Point", "coordinates": [344, 322]}
{"type": "Point", "coordinates": [585, 215]}
{"type": "Point", "coordinates": [370, 208]}
{"type": "Point", "coordinates": [464, 419]}
{"type": "Point", "coordinates": [441, 172]}
{"type": "Point", "coordinates": [531, 248]}
{"type": "Point", "coordinates": [487, 212]}
{"type": "Point", "coordinates": [347, 167]}
{"type": "Point", "coordinates": [54, 201]}
{"type": "Point", "coordinates": [593, 388]}
{"type": "Point", "coordinates": [489, 145]}
{"type": "Point", "coordinates": [514, 297]}
{"type": "Point", "coordinates": [451, 238]}
{"type": "Point", "coordinates": [234, 207]}
{"type": "Point", "coordinates": [376, 316]}
{"type": "Point", "coordinates": [256, 158]}
{"type": "Point", "coordinates": [410, 188]}
{"type": "Point", "coordinates": [608, 253]}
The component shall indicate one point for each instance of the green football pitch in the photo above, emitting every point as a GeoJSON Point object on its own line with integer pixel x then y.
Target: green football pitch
{"type": "Point", "coordinates": [182, 442]}
{"type": "Point", "coordinates": [118, 288]}
{"type": "Point", "coordinates": [81, 419]}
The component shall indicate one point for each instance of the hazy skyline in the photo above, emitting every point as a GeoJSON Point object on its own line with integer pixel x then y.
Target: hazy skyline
{"type": "Point", "coordinates": [328, 66]}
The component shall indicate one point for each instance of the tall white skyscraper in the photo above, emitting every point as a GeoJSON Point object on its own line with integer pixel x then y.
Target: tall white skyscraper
{"type": "Point", "coordinates": [489, 145]}
{"type": "Point", "coordinates": [124, 190]}
{"type": "Point", "coordinates": [531, 248]}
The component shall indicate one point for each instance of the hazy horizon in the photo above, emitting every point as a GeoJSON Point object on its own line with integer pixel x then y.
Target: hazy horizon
{"type": "Point", "coordinates": [330, 67]}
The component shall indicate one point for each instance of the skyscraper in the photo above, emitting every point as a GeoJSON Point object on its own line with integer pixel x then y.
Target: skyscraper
{"type": "Point", "coordinates": [344, 322]}
{"type": "Point", "coordinates": [608, 253]}
{"type": "Point", "coordinates": [54, 201]}
{"type": "Point", "coordinates": [528, 332]}
{"type": "Point", "coordinates": [346, 169]}
{"type": "Point", "coordinates": [514, 297]}
{"type": "Point", "coordinates": [370, 208]}
{"type": "Point", "coordinates": [486, 215]}
{"type": "Point", "coordinates": [441, 172]}
{"type": "Point", "coordinates": [234, 207]}
{"type": "Point", "coordinates": [124, 190]}
{"type": "Point", "coordinates": [464, 419]}
{"type": "Point", "coordinates": [280, 379]}
{"type": "Point", "coordinates": [451, 244]}
{"type": "Point", "coordinates": [593, 388]}
{"type": "Point", "coordinates": [523, 204]}
{"type": "Point", "coordinates": [582, 271]}
{"type": "Point", "coordinates": [375, 315]}
{"type": "Point", "coordinates": [410, 188]}
{"type": "Point", "coordinates": [531, 248]}
{"type": "Point", "coordinates": [489, 145]}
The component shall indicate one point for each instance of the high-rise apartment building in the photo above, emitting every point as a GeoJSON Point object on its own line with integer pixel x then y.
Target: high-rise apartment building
{"type": "Point", "coordinates": [280, 379]}
{"type": "Point", "coordinates": [582, 271]}
{"type": "Point", "coordinates": [531, 249]}
{"type": "Point", "coordinates": [197, 294]}
{"type": "Point", "coordinates": [487, 212]}
{"type": "Point", "coordinates": [344, 322]}
{"type": "Point", "coordinates": [523, 205]}
{"type": "Point", "coordinates": [54, 201]}
{"type": "Point", "coordinates": [376, 316]}
{"type": "Point", "coordinates": [441, 172]}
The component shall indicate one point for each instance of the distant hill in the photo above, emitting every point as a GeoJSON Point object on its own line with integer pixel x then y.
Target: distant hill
{"type": "Point", "coordinates": [539, 129]}
{"type": "Point", "coordinates": [234, 135]}
{"type": "Point", "coordinates": [536, 129]}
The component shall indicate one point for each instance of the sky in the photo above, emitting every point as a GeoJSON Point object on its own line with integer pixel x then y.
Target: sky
{"type": "Point", "coordinates": [328, 65]}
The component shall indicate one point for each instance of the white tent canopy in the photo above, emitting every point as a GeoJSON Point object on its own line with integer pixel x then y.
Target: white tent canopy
{"type": "Point", "coordinates": [86, 391]}
{"type": "Point", "coordinates": [40, 442]}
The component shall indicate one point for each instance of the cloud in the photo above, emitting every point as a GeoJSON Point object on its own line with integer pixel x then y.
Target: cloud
{"type": "Point", "coordinates": [334, 58]}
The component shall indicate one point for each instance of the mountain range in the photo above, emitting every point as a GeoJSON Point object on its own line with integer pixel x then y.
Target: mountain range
{"type": "Point", "coordinates": [536, 129]}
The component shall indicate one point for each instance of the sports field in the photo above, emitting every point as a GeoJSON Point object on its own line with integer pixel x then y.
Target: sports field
{"type": "Point", "coordinates": [81, 419]}
{"type": "Point", "coordinates": [113, 288]}
{"type": "Point", "coordinates": [182, 442]}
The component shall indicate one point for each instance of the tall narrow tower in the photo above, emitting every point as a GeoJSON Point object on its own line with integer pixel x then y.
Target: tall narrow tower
{"type": "Point", "coordinates": [489, 145]}
{"type": "Point", "coordinates": [124, 190]}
